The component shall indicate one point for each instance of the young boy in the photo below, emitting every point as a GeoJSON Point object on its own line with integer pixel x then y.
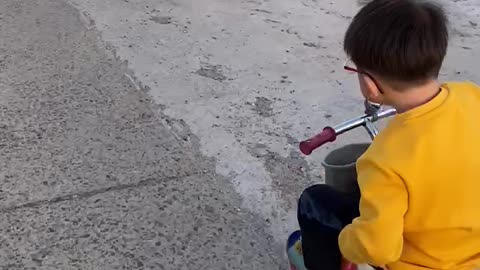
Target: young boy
{"type": "Point", "coordinates": [420, 179]}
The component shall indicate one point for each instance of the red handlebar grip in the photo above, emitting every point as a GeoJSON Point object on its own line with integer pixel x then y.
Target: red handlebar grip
{"type": "Point", "coordinates": [327, 135]}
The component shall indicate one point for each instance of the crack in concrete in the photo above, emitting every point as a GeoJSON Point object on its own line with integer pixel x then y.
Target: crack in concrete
{"type": "Point", "coordinates": [91, 193]}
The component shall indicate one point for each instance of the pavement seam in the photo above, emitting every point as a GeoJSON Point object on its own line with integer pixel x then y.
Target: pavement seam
{"type": "Point", "coordinates": [91, 193]}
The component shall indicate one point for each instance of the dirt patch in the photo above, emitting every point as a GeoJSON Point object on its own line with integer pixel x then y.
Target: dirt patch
{"type": "Point", "coordinates": [214, 72]}
{"type": "Point", "coordinates": [161, 19]}
{"type": "Point", "coordinates": [289, 174]}
{"type": "Point", "coordinates": [263, 107]}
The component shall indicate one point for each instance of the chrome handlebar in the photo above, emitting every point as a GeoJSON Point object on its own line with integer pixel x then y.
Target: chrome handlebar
{"type": "Point", "coordinates": [365, 121]}
{"type": "Point", "coordinates": [373, 113]}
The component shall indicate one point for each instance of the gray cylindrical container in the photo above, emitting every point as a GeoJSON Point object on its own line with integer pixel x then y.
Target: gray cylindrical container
{"type": "Point", "coordinates": [340, 171]}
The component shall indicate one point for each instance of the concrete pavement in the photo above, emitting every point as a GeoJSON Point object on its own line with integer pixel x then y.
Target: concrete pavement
{"type": "Point", "coordinates": [252, 78]}
{"type": "Point", "coordinates": [155, 134]}
{"type": "Point", "coordinates": [92, 176]}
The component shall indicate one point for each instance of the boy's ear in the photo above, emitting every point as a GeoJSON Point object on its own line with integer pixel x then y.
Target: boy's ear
{"type": "Point", "coordinates": [375, 95]}
{"type": "Point", "coordinates": [370, 90]}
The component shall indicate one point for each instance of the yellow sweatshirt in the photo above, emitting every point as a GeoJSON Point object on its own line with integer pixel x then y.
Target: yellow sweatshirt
{"type": "Point", "coordinates": [420, 188]}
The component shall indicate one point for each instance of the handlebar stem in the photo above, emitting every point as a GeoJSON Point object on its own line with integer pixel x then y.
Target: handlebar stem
{"type": "Point", "coordinates": [371, 129]}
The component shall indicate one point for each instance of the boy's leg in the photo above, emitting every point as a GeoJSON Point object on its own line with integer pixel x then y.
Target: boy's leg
{"type": "Point", "coordinates": [322, 214]}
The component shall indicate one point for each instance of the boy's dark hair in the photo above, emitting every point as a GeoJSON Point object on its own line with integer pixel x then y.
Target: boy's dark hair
{"type": "Point", "coordinates": [401, 40]}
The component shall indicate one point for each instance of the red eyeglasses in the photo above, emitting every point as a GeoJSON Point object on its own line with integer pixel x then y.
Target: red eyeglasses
{"type": "Point", "coordinates": [349, 68]}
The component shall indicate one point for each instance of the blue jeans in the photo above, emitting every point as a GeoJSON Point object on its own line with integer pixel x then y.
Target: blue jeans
{"type": "Point", "coordinates": [322, 213]}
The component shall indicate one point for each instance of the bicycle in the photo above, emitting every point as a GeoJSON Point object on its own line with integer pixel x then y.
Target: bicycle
{"type": "Point", "coordinates": [339, 164]}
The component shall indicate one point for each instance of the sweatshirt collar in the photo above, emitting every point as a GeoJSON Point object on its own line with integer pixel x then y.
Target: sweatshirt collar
{"type": "Point", "coordinates": [433, 104]}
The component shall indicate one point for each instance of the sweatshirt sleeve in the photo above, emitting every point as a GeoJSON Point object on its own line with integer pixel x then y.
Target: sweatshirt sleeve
{"type": "Point", "coordinates": [376, 236]}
